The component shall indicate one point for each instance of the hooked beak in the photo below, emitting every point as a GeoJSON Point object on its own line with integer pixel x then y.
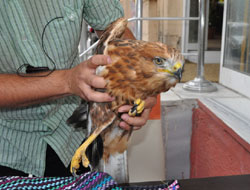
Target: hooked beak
{"type": "Point", "coordinates": [178, 74]}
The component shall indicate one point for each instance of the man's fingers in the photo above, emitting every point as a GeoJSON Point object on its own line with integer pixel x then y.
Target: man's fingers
{"type": "Point", "coordinates": [136, 121]}
{"type": "Point", "coordinates": [98, 60]}
{"type": "Point", "coordinates": [126, 126]}
{"type": "Point", "coordinates": [96, 81]}
{"type": "Point", "coordinates": [149, 103]}
{"type": "Point", "coordinates": [96, 96]}
{"type": "Point", "coordinates": [124, 108]}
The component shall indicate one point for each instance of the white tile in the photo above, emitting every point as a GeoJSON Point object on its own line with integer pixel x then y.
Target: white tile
{"type": "Point", "coordinates": [229, 106]}
{"type": "Point", "coordinates": [178, 93]}
{"type": "Point", "coordinates": [221, 92]}
{"type": "Point", "coordinates": [169, 96]}
{"type": "Point", "coordinates": [234, 112]}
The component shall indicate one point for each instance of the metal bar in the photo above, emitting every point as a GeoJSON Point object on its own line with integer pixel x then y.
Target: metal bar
{"type": "Point", "coordinates": [95, 44]}
{"type": "Point", "coordinates": [199, 84]}
{"type": "Point", "coordinates": [139, 7]}
{"type": "Point", "coordinates": [140, 31]}
{"type": "Point", "coordinates": [201, 40]}
{"type": "Point", "coordinates": [184, 26]}
{"type": "Point", "coordinates": [189, 54]}
{"type": "Point", "coordinates": [163, 18]}
{"type": "Point", "coordinates": [147, 18]}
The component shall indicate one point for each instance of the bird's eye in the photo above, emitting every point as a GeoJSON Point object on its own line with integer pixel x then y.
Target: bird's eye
{"type": "Point", "coordinates": [158, 61]}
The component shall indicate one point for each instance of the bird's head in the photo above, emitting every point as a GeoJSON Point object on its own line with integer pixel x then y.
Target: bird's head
{"type": "Point", "coordinates": [143, 64]}
{"type": "Point", "coordinates": [172, 67]}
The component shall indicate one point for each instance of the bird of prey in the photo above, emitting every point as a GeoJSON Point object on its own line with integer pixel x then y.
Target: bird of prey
{"type": "Point", "coordinates": [138, 70]}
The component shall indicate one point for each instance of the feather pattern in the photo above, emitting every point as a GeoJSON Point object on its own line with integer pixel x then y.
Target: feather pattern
{"type": "Point", "coordinates": [133, 74]}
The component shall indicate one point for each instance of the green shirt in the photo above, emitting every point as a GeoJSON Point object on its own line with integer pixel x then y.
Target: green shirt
{"type": "Point", "coordinates": [25, 132]}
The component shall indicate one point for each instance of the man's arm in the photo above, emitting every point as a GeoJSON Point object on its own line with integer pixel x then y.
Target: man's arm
{"type": "Point", "coordinates": [21, 91]}
{"type": "Point", "coordinates": [16, 91]}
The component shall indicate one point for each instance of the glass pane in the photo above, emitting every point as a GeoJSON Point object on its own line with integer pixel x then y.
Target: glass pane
{"type": "Point", "coordinates": [193, 25]}
{"type": "Point", "coordinates": [215, 20]}
{"type": "Point", "coordinates": [237, 47]}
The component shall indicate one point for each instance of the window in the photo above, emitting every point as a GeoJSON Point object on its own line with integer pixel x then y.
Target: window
{"type": "Point", "coordinates": [237, 39]}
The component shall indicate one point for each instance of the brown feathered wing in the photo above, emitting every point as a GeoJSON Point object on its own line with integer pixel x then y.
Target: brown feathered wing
{"type": "Point", "coordinates": [132, 74]}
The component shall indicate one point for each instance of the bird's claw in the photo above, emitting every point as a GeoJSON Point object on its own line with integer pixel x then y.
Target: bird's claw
{"type": "Point", "coordinates": [137, 108]}
{"type": "Point", "coordinates": [74, 170]}
{"type": "Point", "coordinates": [77, 158]}
{"type": "Point", "coordinates": [85, 160]}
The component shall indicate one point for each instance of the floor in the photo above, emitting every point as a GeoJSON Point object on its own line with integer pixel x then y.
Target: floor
{"type": "Point", "coordinates": [211, 72]}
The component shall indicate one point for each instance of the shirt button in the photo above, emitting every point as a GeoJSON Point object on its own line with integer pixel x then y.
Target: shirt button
{"type": "Point", "coordinates": [72, 17]}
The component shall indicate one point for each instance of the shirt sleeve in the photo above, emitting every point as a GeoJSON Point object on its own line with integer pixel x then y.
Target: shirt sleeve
{"type": "Point", "coordinates": [100, 13]}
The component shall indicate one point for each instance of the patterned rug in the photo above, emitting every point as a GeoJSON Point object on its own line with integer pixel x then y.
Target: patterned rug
{"type": "Point", "coordinates": [87, 181]}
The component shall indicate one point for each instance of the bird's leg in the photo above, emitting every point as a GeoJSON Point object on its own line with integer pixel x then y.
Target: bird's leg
{"type": "Point", "coordinates": [137, 108]}
{"type": "Point", "coordinates": [80, 154]}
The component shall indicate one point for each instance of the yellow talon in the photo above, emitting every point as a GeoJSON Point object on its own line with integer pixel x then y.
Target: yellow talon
{"type": "Point", "coordinates": [77, 158]}
{"type": "Point", "coordinates": [80, 154]}
{"type": "Point", "coordinates": [85, 161]}
{"type": "Point", "coordinates": [75, 161]}
{"type": "Point", "coordinates": [131, 114]}
{"type": "Point", "coordinates": [137, 101]}
{"type": "Point", "coordinates": [137, 108]}
{"type": "Point", "coordinates": [140, 107]}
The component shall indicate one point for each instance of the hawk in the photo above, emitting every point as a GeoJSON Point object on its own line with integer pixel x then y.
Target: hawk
{"type": "Point", "coordinates": [138, 70]}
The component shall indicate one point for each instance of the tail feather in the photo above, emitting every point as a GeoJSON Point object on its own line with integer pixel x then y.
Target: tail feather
{"type": "Point", "coordinates": [94, 151]}
{"type": "Point", "coordinates": [79, 118]}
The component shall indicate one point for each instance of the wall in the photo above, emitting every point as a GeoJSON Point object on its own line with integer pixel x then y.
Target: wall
{"type": "Point", "coordinates": [177, 130]}
{"type": "Point", "coordinates": [216, 150]}
{"type": "Point", "coordinates": [168, 32]}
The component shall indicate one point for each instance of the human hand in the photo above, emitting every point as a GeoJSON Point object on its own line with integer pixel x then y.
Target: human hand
{"type": "Point", "coordinates": [136, 122]}
{"type": "Point", "coordinates": [82, 79]}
